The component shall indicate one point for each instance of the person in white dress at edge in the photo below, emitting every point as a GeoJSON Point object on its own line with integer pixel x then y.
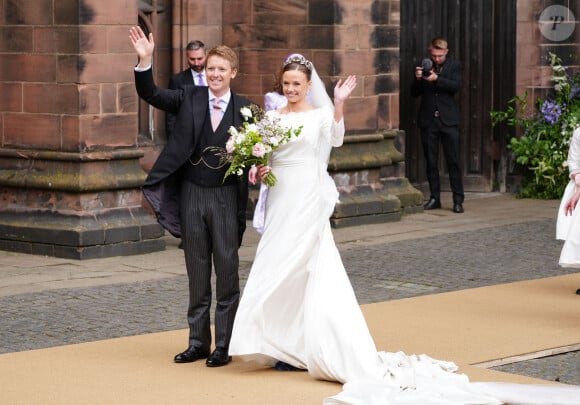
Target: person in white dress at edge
{"type": "Point", "coordinates": [298, 310]}
{"type": "Point", "coordinates": [568, 223]}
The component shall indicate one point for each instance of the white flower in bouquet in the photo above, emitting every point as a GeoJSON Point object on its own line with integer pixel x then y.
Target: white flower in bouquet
{"type": "Point", "coordinates": [246, 113]}
{"type": "Point", "coordinates": [275, 141]}
{"type": "Point", "coordinates": [239, 138]}
{"type": "Point", "coordinates": [233, 131]}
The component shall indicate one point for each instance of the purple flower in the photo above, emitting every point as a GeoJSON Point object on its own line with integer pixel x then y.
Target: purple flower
{"type": "Point", "coordinates": [551, 111]}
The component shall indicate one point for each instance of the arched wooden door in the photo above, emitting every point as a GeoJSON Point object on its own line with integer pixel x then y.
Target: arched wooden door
{"type": "Point", "coordinates": [481, 34]}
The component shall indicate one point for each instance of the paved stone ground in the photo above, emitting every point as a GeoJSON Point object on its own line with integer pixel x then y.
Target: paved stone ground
{"type": "Point", "coordinates": [380, 272]}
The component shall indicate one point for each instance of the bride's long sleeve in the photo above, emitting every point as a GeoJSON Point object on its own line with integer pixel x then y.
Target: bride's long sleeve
{"type": "Point", "coordinates": [331, 135]}
{"type": "Point", "coordinates": [337, 133]}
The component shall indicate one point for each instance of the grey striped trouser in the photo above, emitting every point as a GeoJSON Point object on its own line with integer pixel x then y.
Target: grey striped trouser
{"type": "Point", "coordinates": [209, 230]}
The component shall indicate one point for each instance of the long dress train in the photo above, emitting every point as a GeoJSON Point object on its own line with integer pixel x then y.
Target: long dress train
{"type": "Point", "coordinates": [298, 305]}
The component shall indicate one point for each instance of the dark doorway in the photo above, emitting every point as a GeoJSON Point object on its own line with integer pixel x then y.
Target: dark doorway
{"type": "Point", "coordinates": [481, 34]}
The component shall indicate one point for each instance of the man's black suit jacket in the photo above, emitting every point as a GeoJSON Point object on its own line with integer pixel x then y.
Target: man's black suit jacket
{"type": "Point", "coordinates": [178, 80]}
{"type": "Point", "coordinates": [183, 78]}
{"type": "Point", "coordinates": [191, 105]}
{"type": "Point", "coordinates": [440, 95]}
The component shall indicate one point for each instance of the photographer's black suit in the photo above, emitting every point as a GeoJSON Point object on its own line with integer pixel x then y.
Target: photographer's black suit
{"type": "Point", "coordinates": [439, 118]}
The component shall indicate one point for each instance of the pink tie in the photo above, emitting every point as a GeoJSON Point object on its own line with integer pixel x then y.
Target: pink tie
{"type": "Point", "coordinates": [216, 113]}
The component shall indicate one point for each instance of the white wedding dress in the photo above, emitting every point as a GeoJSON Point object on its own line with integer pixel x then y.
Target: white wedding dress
{"type": "Point", "coordinates": [298, 305]}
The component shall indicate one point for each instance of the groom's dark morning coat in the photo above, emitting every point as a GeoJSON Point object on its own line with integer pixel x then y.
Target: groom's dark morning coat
{"type": "Point", "coordinates": [214, 209]}
{"type": "Point", "coordinates": [190, 104]}
{"type": "Point", "coordinates": [181, 79]}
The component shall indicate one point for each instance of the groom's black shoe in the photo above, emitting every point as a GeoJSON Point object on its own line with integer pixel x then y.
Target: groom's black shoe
{"type": "Point", "coordinates": [458, 208]}
{"type": "Point", "coordinates": [432, 204]}
{"type": "Point", "coordinates": [218, 358]}
{"type": "Point", "coordinates": [191, 354]}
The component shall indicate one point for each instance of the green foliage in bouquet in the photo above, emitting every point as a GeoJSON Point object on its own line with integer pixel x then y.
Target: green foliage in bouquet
{"type": "Point", "coordinates": [542, 150]}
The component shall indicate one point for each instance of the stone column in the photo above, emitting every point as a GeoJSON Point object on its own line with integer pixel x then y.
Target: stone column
{"type": "Point", "coordinates": [70, 175]}
{"type": "Point", "coordinates": [341, 37]}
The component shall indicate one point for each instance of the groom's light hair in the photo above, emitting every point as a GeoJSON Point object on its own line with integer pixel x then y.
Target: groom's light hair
{"type": "Point", "coordinates": [225, 52]}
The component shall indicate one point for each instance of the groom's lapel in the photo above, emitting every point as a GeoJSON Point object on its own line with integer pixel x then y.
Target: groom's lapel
{"type": "Point", "coordinates": [236, 114]}
{"type": "Point", "coordinates": [200, 106]}
{"type": "Point", "coordinates": [228, 120]}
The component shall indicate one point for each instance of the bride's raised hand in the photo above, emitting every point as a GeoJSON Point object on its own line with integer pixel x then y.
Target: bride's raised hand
{"type": "Point", "coordinates": [143, 46]}
{"type": "Point", "coordinates": [343, 89]}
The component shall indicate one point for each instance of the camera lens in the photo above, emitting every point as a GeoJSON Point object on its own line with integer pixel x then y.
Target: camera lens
{"type": "Point", "coordinates": [427, 66]}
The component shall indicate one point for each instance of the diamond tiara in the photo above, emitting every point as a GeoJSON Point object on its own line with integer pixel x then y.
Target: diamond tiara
{"type": "Point", "coordinates": [300, 60]}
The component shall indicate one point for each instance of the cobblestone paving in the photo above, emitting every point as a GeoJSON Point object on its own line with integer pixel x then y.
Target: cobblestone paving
{"type": "Point", "coordinates": [563, 367]}
{"type": "Point", "coordinates": [448, 262]}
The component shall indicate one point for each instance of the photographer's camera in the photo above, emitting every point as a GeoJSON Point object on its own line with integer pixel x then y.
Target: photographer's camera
{"type": "Point", "coordinates": [427, 66]}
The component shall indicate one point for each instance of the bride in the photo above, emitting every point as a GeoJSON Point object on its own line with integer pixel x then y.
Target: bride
{"type": "Point", "coordinates": [298, 309]}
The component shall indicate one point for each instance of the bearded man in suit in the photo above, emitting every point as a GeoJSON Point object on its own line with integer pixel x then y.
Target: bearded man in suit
{"type": "Point", "coordinates": [194, 75]}
{"type": "Point", "coordinates": [188, 193]}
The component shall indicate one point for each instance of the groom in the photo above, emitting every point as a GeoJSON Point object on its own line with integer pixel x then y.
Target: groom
{"type": "Point", "coordinates": [187, 191]}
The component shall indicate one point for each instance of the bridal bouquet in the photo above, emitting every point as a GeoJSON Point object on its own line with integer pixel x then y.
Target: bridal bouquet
{"type": "Point", "coordinates": [254, 142]}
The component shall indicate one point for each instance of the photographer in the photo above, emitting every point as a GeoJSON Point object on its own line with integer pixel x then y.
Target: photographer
{"type": "Point", "coordinates": [439, 118]}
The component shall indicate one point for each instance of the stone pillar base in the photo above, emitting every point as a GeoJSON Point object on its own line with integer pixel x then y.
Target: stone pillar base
{"type": "Point", "coordinates": [81, 237]}
{"type": "Point", "coordinates": [385, 201]}
{"type": "Point", "coordinates": [369, 171]}
{"type": "Point", "coordinates": [75, 205]}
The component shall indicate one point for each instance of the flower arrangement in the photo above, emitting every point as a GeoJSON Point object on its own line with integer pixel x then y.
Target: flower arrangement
{"type": "Point", "coordinates": [254, 142]}
{"type": "Point", "coordinates": [543, 147]}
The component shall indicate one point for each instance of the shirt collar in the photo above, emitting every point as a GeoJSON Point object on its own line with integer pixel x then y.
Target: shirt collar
{"type": "Point", "coordinates": [195, 76]}
{"type": "Point", "coordinates": [225, 99]}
